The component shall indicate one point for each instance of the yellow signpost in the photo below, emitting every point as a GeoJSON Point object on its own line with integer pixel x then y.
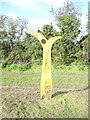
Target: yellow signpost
{"type": "Point", "coordinates": [46, 80]}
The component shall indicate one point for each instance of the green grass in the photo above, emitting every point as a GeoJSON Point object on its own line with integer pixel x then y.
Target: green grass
{"type": "Point", "coordinates": [72, 69]}
{"type": "Point", "coordinates": [37, 80]}
{"type": "Point", "coordinates": [9, 79]}
{"type": "Point", "coordinates": [21, 94]}
{"type": "Point", "coordinates": [37, 69]}
{"type": "Point", "coordinates": [58, 107]}
{"type": "Point", "coordinates": [21, 99]}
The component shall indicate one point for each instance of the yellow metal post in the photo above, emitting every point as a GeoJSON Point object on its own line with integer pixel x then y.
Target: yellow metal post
{"type": "Point", "coordinates": [46, 80]}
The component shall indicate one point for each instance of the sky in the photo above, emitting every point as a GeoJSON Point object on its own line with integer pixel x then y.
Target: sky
{"type": "Point", "coordinates": [37, 12]}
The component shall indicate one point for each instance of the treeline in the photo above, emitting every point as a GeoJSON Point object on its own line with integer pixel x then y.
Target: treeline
{"type": "Point", "coordinates": [18, 47]}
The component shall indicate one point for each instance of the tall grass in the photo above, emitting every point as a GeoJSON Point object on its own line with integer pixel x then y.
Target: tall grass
{"type": "Point", "coordinates": [37, 69]}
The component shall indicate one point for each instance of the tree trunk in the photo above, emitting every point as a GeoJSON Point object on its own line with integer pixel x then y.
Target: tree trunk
{"type": "Point", "coordinates": [11, 45]}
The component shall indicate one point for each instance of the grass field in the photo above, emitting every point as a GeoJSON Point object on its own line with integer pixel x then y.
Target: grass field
{"type": "Point", "coordinates": [21, 94]}
{"type": "Point", "coordinates": [37, 69]}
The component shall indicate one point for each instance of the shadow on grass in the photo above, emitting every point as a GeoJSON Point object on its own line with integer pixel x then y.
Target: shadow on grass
{"type": "Point", "coordinates": [65, 92]}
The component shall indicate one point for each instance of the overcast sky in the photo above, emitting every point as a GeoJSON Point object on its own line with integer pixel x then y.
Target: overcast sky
{"type": "Point", "coordinates": [38, 11]}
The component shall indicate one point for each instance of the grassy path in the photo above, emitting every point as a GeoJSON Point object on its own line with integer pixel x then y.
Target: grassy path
{"type": "Point", "coordinates": [38, 75]}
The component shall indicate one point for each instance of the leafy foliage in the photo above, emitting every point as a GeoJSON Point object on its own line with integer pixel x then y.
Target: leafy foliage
{"type": "Point", "coordinates": [19, 48]}
{"type": "Point", "coordinates": [48, 31]}
{"type": "Point", "coordinates": [69, 26]}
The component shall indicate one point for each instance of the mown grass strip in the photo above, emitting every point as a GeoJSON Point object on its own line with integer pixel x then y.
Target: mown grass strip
{"type": "Point", "coordinates": [56, 80]}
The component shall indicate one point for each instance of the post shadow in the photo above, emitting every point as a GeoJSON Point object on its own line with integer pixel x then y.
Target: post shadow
{"type": "Point", "coordinates": [65, 92]}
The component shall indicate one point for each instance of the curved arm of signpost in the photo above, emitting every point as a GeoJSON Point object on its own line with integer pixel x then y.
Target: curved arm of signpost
{"type": "Point", "coordinates": [53, 39]}
{"type": "Point", "coordinates": [39, 36]}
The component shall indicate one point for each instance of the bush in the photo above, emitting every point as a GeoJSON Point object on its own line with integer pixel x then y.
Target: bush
{"type": "Point", "coordinates": [16, 67]}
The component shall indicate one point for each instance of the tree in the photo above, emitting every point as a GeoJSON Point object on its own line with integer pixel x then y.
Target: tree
{"type": "Point", "coordinates": [68, 23]}
{"type": "Point", "coordinates": [11, 32]}
{"type": "Point", "coordinates": [3, 36]}
{"type": "Point", "coordinates": [34, 50]}
{"type": "Point", "coordinates": [48, 31]}
{"type": "Point", "coordinates": [83, 49]}
{"type": "Point", "coordinates": [15, 30]}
